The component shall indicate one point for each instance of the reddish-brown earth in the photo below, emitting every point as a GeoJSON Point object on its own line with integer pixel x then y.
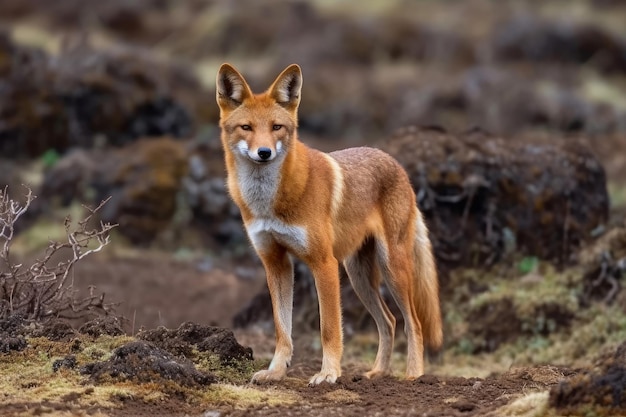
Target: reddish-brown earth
{"type": "Point", "coordinates": [158, 291]}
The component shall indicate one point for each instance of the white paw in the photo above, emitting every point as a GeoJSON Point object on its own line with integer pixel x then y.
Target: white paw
{"type": "Point", "coordinates": [267, 375]}
{"type": "Point", "coordinates": [324, 376]}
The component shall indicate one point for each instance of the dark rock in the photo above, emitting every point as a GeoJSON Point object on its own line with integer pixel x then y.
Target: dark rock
{"type": "Point", "coordinates": [601, 388]}
{"type": "Point", "coordinates": [143, 181]}
{"type": "Point", "coordinates": [529, 39]}
{"type": "Point", "coordinates": [12, 332]}
{"type": "Point", "coordinates": [484, 197]}
{"type": "Point", "coordinates": [86, 97]}
{"type": "Point", "coordinates": [14, 324]}
{"type": "Point", "coordinates": [204, 189]}
{"type": "Point", "coordinates": [143, 362]}
{"type": "Point", "coordinates": [105, 325]}
{"type": "Point", "coordinates": [181, 341]}
{"type": "Point", "coordinates": [224, 344]}
{"type": "Point", "coordinates": [68, 362]}
{"type": "Point", "coordinates": [163, 116]}
{"type": "Point", "coordinates": [524, 105]}
{"type": "Point", "coordinates": [55, 330]}
{"type": "Point", "coordinates": [9, 342]}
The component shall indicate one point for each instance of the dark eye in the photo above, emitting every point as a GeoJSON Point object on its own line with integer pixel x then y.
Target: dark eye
{"type": "Point", "coordinates": [277, 127]}
{"type": "Point", "coordinates": [246, 127]}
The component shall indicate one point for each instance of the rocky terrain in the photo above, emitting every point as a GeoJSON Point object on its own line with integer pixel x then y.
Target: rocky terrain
{"type": "Point", "coordinates": [509, 117]}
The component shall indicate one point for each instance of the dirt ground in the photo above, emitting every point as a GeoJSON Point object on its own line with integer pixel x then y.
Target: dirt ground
{"type": "Point", "coordinates": [353, 395]}
{"type": "Point", "coordinates": [429, 395]}
{"type": "Point", "coordinates": [149, 284]}
{"type": "Point", "coordinates": [152, 288]}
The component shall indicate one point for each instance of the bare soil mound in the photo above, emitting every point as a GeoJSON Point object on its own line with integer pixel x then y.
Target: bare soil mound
{"type": "Point", "coordinates": [143, 362]}
{"type": "Point", "coordinates": [12, 334]}
{"type": "Point", "coordinates": [105, 325]}
{"type": "Point", "coordinates": [601, 389]}
{"type": "Point", "coordinates": [485, 196]}
{"type": "Point", "coordinates": [56, 330]}
{"type": "Point", "coordinates": [86, 98]}
{"type": "Point", "coordinates": [188, 336]}
{"type": "Point", "coordinates": [493, 324]}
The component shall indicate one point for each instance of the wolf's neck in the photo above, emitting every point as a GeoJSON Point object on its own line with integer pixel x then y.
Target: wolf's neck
{"type": "Point", "coordinates": [258, 185]}
{"type": "Point", "coordinates": [294, 178]}
{"type": "Point", "coordinates": [269, 190]}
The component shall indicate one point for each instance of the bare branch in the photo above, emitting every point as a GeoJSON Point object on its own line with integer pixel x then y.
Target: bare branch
{"type": "Point", "coordinates": [43, 290]}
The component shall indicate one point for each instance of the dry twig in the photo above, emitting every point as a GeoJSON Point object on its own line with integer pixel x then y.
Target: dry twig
{"type": "Point", "coordinates": [43, 289]}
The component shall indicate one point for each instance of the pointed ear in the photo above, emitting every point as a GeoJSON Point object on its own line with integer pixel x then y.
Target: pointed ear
{"type": "Point", "coordinates": [231, 88]}
{"type": "Point", "coordinates": [286, 89]}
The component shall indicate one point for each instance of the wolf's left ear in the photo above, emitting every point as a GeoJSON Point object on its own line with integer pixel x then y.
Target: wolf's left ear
{"type": "Point", "coordinates": [286, 89]}
{"type": "Point", "coordinates": [231, 88]}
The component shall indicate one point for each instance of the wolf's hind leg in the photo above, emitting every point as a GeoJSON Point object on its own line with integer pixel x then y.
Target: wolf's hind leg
{"type": "Point", "coordinates": [397, 270]}
{"type": "Point", "coordinates": [364, 276]}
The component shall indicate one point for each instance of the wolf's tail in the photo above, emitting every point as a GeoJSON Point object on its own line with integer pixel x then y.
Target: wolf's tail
{"type": "Point", "coordinates": [426, 288]}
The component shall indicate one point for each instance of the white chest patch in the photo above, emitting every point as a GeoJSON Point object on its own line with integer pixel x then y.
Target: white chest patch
{"type": "Point", "coordinates": [258, 185]}
{"type": "Point", "coordinates": [264, 231]}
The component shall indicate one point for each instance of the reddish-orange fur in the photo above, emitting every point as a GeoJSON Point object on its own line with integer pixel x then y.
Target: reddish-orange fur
{"type": "Point", "coordinates": [354, 206]}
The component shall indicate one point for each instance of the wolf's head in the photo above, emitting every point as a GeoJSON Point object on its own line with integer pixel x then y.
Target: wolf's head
{"type": "Point", "coordinates": [258, 127]}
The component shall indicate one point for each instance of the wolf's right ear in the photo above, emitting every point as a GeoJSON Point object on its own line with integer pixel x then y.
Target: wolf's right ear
{"type": "Point", "coordinates": [231, 88]}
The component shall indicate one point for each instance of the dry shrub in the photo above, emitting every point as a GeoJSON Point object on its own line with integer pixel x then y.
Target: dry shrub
{"type": "Point", "coordinates": [46, 289]}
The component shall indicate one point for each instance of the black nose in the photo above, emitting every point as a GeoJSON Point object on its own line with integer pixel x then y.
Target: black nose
{"type": "Point", "coordinates": [264, 153]}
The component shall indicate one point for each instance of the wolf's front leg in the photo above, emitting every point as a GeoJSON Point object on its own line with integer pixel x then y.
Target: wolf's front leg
{"type": "Point", "coordinates": [279, 273]}
{"type": "Point", "coordinates": [326, 274]}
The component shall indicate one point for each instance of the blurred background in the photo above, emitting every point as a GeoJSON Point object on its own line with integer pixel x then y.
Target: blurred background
{"type": "Point", "coordinates": [510, 117]}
